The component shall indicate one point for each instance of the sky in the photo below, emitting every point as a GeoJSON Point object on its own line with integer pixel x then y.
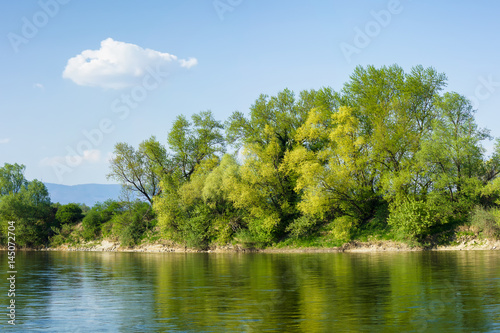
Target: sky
{"type": "Point", "coordinates": [76, 77]}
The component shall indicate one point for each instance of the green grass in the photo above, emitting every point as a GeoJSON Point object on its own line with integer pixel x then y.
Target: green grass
{"type": "Point", "coordinates": [308, 241]}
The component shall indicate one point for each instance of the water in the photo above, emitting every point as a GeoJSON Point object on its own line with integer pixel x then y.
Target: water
{"type": "Point", "coordinates": [328, 292]}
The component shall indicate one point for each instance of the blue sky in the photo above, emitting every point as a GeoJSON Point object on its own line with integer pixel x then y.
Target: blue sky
{"type": "Point", "coordinates": [79, 76]}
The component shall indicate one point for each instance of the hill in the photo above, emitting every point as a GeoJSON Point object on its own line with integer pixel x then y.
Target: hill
{"type": "Point", "coordinates": [88, 194]}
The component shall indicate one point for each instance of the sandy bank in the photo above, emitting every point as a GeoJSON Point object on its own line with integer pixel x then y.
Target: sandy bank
{"type": "Point", "coordinates": [354, 246]}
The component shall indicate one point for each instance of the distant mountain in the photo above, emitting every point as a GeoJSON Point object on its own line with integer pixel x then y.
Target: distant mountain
{"type": "Point", "coordinates": [88, 194]}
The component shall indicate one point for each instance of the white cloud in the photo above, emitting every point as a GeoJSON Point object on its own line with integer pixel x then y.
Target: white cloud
{"type": "Point", "coordinates": [92, 156]}
{"type": "Point", "coordinates": [89, 156]}
{"type": "Point", "coordinates": [119, 65]}
{"type": "Point", "coordinates": [52, 161]}
{"type": "Point", "coordinates": [3, 141]}
{"type": "Point", "coordinates": [39, 86]}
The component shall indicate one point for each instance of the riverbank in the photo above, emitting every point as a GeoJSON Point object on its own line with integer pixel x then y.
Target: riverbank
{"type": "Point", "coordinates": [469, 243]}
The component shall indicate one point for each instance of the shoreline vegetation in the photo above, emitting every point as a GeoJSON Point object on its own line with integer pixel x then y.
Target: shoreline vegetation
{"type": "Point", "coordinates": [388, 161]}
{"type": "Point", "coordinates": [452, 240]}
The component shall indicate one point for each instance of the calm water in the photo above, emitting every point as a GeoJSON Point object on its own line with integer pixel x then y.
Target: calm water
{"type": "Point", "coordinates": [331, 292]}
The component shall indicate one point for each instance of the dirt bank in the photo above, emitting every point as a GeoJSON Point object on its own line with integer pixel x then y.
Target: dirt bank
{"type": "Point", "coordinates": [354, 246]}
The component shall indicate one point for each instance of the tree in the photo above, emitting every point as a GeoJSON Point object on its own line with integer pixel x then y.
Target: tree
{"type": "Point", "coordinates": [69, 214]}
{"type": "Point", "coordinates": [361, 154]}
{"type": "Point", "coordinates": [196, 141]}
{"type": "Point", "coordinates": [12, 178]}
{"type": "Point", "coordinates": [200, 211]}
{"type": "Point", "coordinates": [341, 176]}
{"type": "Point", "coordinates": [395, 109]}
{"type": "Point", "coordinates": [197, 147]}
{"type": "Point", "coordinates": [30, 209]}
{"type": "Point", "coordinates": [158, 159]}
{"type": "Point", "coordinates": [453, 154]}
{"type": "Point", "coordinates": [136, 170]}
{"type": "Point", "coordinates": [91, 225]}
{"type": "Point", "coordinates": [264, 187]}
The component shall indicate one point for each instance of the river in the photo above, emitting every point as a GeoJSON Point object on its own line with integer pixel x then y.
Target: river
{"type": "Point", "coordinates": [455, 291]}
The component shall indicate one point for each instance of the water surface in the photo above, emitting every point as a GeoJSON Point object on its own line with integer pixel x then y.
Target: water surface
{"type": "Point", "coordinates": [197, 292]}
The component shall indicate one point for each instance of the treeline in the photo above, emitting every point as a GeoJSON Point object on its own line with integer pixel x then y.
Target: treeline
{"type": "Point", "coordinates": [389, 150]}
{"type": "Point", "coordinates": [40, 223]}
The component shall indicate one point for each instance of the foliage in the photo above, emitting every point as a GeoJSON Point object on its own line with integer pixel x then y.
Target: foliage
{"type": "Point", "coordinates": [386, 151]}
{"type": "Point", "coordinates": [138, 218]}
{"type": "Point", "coordinates": [192, 142]}
{"type": "Point", "coordinates": [69, 214]}
{"type": "Point", "coordinates": [302, 226]}
{"type": "Point", "coordinates": [343, 227]}
{"type": "Point", "coordinates": [12, 179]}
{"type": "Point", "coordinates": [413, 218]}
{"type": "Point", "coordinates": [135, 170]}
{"type": "Point", "coordinates": [486, 221]}
{"type": "Point", "coordinates": [91, 225]}
{"type": "Point", "coordinates": [388, 154]}
{"type": "Point", "coordinates": [31, 211]}
{"type": "Point", "coordinates": [264, 186]}
{"type": "Point", "coordinates": [199, 211]}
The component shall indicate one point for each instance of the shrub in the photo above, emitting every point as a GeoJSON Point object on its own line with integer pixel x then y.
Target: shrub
{"type": "Point", "coordinates": [486, 221]}
{"type": "Point", "coordinates": [302, 226]}
{"type": "Point", "coordinates": [343, 227]}
{"type": "Point", "coordinates": [57, 240]}
{"type": "Point", "coordinates": [249, 239]}
{"type": "Point", "coordinates": [133, 231]}
{"type": "Point", "coordinates": [91, 225]}
{"type": "Point", "coordinates": [196, 232]}
{"type": "Point", "coordinates": [413, 218]}
{"type": "Point", "coordinates": [69, 214]}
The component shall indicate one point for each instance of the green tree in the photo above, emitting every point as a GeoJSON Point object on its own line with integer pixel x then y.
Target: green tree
{"type": "Point", "coordinates": [341, 177]}
{"type": "Point", "coordinates": [12, 178]}
{"type": "Point", "coordinates": [135, 170]}
{"type": "Point", "coordinates": [91, 225]}
{"type": "Point", "coordinates": [201, 212]}
{"type": "Point", "coordinates": [192, 142]}
{"type": "Point", "coordinates": [69, 214]}
{"type": "Point", "coordinates": [357, 156]}
{"type": "Point", "coordinates": [453, 154]}
{"type": "Point", "coordinates": [195, 145]}
{"type": "Point", "coordinates": [265, 186]}
{"type": "Point", "coordinates": [30, 208]}
{"type": "Point", "coordinates": [395, 109]}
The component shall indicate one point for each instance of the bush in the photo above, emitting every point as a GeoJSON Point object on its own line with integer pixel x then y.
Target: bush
{"type": "Point", "coordinates": [91, 225]}
{"type": "Point", "coordinates": [129, 235]}
{"type": "Point", "coordinates": [196, 232]}
{"type": "Point", "coordinates": [225, 227]}
{"type": "Point", "coordinates": [133, 231]}
{"type": "Point", "coordinates": [302, 226]}
{"type": "Point", "coordinates": [57, 240]}
{"type": "Point", "coordinates": [61, 235]}
{"type": "Point", "coordinates": [249, 239]}
{"type": "Point", "coordinates": [343, 227]}
{"type": "Point", "coordinates": [413, 219]}
{"type": "Point", "coordinates": [69, 214]}
{"type": "Point", "coordinates": [486, 221]}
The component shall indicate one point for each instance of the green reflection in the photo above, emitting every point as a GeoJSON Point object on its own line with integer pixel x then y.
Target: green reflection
{"type": "Point", "coordinates": [199, 292]}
